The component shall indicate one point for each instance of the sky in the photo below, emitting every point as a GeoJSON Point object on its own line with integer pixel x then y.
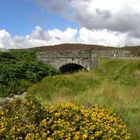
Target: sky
{"type": "Point", "coordinates": [33, 23]}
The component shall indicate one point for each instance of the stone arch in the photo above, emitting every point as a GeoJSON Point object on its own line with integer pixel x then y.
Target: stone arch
{"type": "Point", "coordinates": [71, 68]}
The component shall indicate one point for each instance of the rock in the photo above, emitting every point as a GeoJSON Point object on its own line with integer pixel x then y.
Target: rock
{"type": "Point", "coordinates": [8, 99]}
{"type": "Point", "coordinates": [16, 96]}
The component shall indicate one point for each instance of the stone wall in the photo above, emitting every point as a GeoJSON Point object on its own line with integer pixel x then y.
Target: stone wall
{"type": "Point", "coordinates": [60, 58]}
{"type": "Point", "coordinates": [86, 58]}
{"type": "Point", "coordinates": [112, 53]}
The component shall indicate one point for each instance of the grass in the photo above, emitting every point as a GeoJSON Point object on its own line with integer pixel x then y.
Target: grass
{"type": "Point", "coordinates": [115, 83]}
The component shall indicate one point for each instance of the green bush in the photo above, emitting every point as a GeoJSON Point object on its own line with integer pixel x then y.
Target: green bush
{"type": "Point", "coordinates": [21, 65]}
{"type": "Point", "coordinates": [29, 120]}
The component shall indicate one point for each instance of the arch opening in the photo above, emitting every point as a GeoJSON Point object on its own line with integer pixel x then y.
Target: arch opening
{"type": "Point", "coordinates": [71, 68]}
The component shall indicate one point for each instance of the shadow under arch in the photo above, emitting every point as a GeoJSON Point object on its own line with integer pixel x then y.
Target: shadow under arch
{"type": "Point", "coordinates": [71, 68]}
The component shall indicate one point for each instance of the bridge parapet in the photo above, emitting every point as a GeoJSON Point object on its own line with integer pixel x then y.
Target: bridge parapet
{"type": "Point", "coordinates": [112, 53]}
{"type": "Point", "coordinates": [60, 58]}
{"type": "Point", "coordinates": [66, 53]}
{"type": "Point", "coordinates": [86, 58]}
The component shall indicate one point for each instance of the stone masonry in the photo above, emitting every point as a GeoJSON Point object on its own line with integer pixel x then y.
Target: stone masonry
{"type": "Point", "coordinates": [87, 58]}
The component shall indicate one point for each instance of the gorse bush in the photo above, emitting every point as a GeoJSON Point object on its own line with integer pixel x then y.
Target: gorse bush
{"type": "Point", "coordinates": [29, 120]}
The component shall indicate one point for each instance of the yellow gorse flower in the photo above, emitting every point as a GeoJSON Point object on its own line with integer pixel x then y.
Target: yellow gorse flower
{"type": "Point", "coordinates": [64, 121]}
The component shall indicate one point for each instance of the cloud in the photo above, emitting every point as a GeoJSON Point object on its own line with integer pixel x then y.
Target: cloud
{"type": "Point", "coordinates": [115, 22]}
{"type": "Point", "coordinates": [103, 22]}
{"type": "Point", "coordinates": [113, 15]}
{"type": "Point", "coordinates": [101, 37]}
{"type": "Point", "coordinates": [5, 39]}
{"type": "Point", "coordinates": [57, 36]}
{"type": "Point", "coordinates": [38, 37]}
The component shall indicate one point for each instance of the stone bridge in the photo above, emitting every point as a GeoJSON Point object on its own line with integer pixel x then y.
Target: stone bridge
{"type": "Point", "coordinates": [69, 60]}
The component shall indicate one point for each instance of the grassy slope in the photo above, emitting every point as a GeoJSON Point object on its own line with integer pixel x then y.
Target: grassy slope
{"type": "Point", "coordinates": [115, 84]}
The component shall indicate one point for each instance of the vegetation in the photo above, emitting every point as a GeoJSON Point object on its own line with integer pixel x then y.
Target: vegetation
{"type": "Point", "coordinates": [19, 69]}
{"type": "Point", "coordinates": [28, 120]}
{"type": "Point", "coordinates": [114, 84]}
{"type": "Point", "coordinates": [85, 99]}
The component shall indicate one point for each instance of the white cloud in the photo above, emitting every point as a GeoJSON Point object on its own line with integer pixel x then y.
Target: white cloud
{"type": "Point", "coordinates": [107, 38]}
{"type": "Point", "coordinates": [57, 36]}
{"type": "Point", "coordinates": [5, 39]}
{"type": "Point", "coordinates": [105, 22]}
{"type": "Point", "coordinates": [102, 37]}
{"type": "Point", "coordinates": [39, 37]}
{"type": "Point", "coordinates": [114, 15]}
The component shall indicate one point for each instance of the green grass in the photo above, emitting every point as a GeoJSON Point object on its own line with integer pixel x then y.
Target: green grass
{"type": "Point", "coordinates": [114, 83]}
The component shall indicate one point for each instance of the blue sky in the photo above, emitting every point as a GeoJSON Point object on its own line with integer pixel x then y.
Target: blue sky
{"type": "Point", "coordinates": [32, 23]}
{"type": "Point", "coordinates": [19, 17]}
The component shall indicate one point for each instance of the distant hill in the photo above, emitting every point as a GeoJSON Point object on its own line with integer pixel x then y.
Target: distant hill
{"type": "Point", "coordinates": [74, 46]}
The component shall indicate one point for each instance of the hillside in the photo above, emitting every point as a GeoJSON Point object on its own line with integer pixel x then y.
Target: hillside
{"type": "Point", "coordinates": [114, 84]}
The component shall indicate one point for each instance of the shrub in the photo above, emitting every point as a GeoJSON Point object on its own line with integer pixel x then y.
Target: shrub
{"type": "Point", "coordinates": [29, 120]}
{"type": "Point", "coordinates": [19, 65]}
